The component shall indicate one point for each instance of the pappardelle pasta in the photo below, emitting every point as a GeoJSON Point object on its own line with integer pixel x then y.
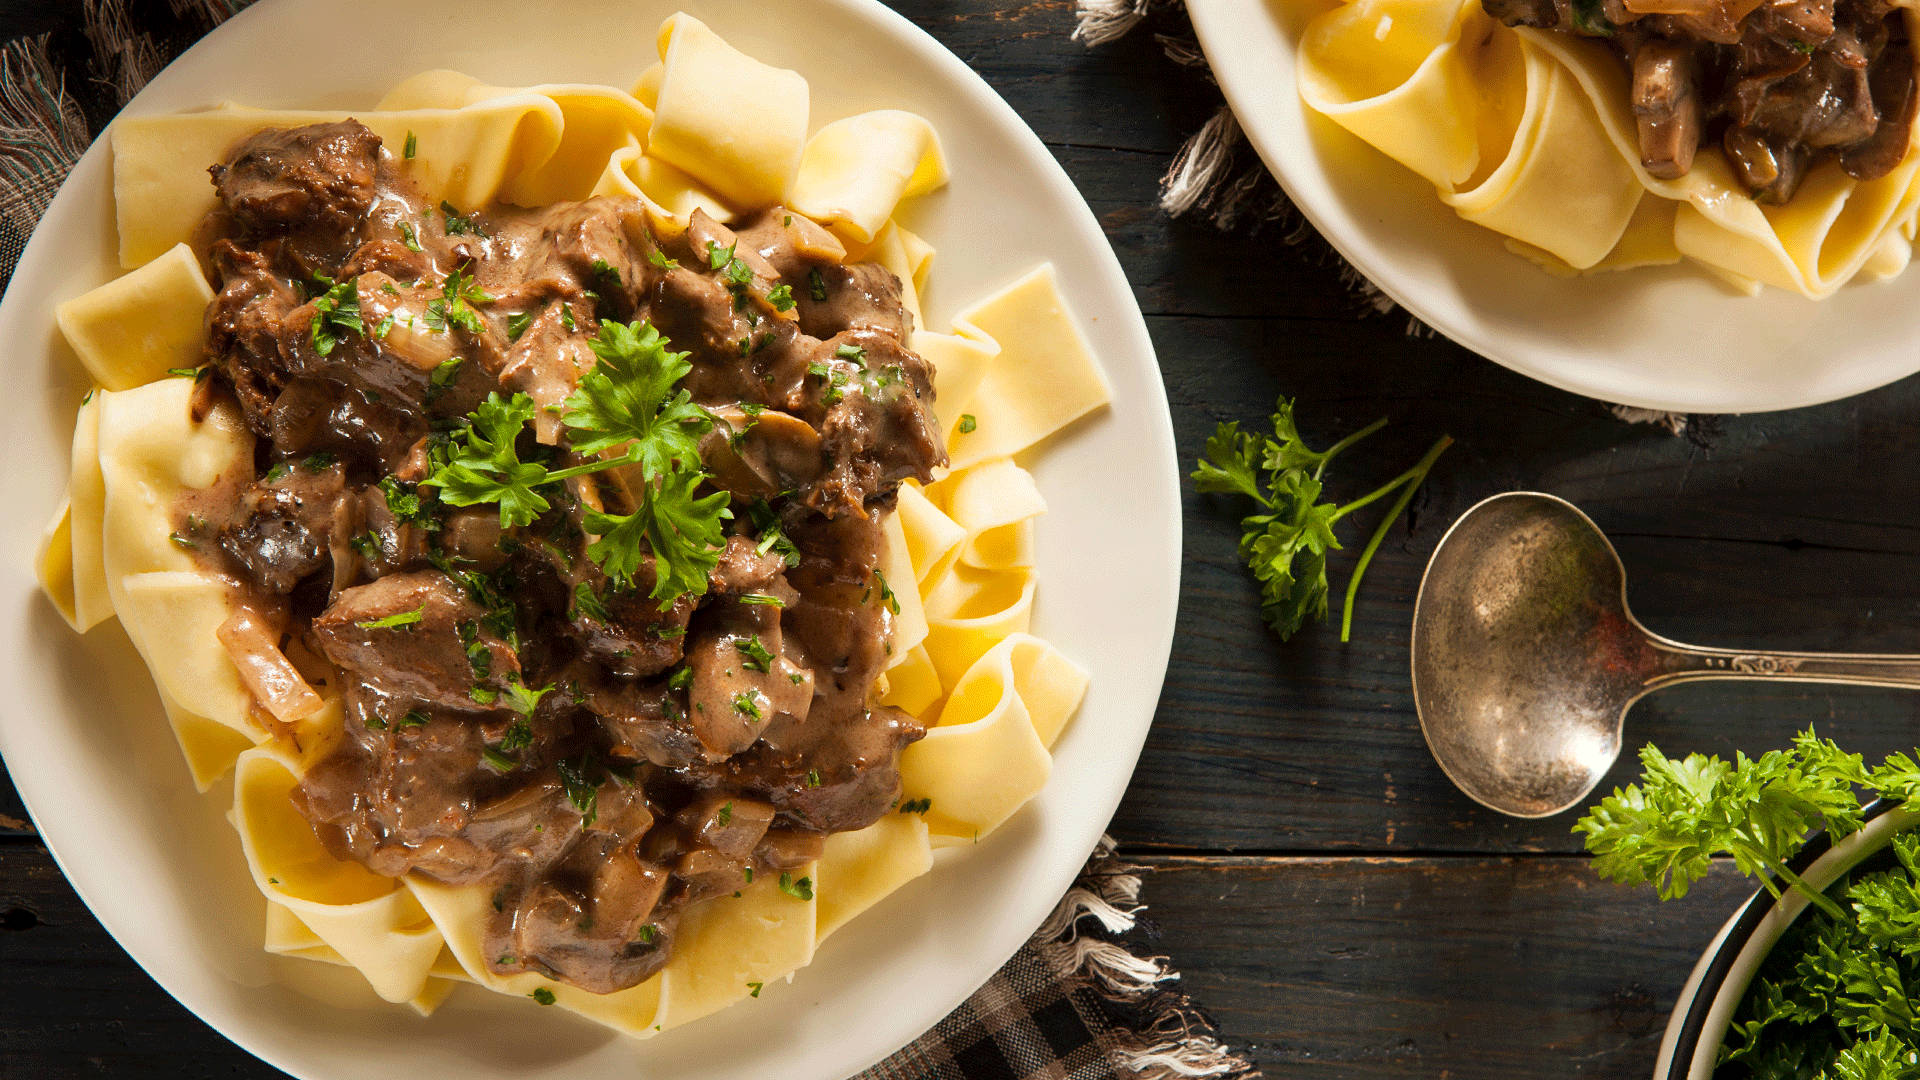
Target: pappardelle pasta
{"type": "Point", "coordinates": [1540, 132]}
{"type": "Point", "coordinates": [549, 506]}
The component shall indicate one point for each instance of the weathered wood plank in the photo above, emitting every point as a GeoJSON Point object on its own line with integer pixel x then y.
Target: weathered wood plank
{"type": "Point", "coordinates": [1338, 967]}
{"type": "Point", "coordinates": [1778, 533]}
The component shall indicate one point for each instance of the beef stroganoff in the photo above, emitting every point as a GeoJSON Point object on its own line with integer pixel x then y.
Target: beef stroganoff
{"type": "Point", "coordinates": [600, 583]}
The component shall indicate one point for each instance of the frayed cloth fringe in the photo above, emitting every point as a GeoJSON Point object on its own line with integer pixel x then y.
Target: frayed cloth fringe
{"type": "Point", "coordinates": [1174, 1039]}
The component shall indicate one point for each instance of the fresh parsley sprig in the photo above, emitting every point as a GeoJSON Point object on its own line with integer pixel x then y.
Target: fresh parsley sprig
{"type": "Point", "coordinates": [1665, 830]}
{"type": "Point", "coordinates": [485, 466]}
{"type": "Point", "coordinates": [630, 396]}
{"type": "Point", "coordinates": [336, 313]}
{"type": "Point", "coordinates": [1286, 546]}
{"type": "Point", "coordinates": [683, 532]}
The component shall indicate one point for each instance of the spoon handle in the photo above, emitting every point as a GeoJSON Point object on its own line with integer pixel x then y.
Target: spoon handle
{"type": "Point", "coordinates": [1689, 663]}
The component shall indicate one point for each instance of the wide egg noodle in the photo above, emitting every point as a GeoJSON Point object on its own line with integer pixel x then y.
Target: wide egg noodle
{"type": "Point", "coordinates": [87, 500]}
{"type": "Point", "coordinates": [723, 117]}
{"type": "Point", "coordinates": [993, 502]}
{"type": "Point", "coordinates": [855, 171]}
{"type": "Point", "coordinates": [959, 366]}
{"type": "Point", "coordinates": [151, 453]}
{"type": "Point", "coordinates": [53, 564]}
{"type": "Point", "coordinates": [597, 122]}
{"type": "Point", "coordinates": [726, 945]}
{"type": "Point", "coordinates": [989, 752]}
{"type": "Point", "coordinates": [897, 572]}
{"type": "Point", "coordinates": [858, 869]}
{"type": "Point", "coordinates": [370, 921]}
{"type": "Point", "coordinates": [1043, 378]}
{"type": "Point", "coordinates": [1406, 77]}
{"type": "Point", "coordinates": [137, 327]}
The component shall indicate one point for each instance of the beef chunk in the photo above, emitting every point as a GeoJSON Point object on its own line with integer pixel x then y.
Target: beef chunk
{"type": "Point", "coordinates": [281, 534]}
{"type": "Point", "coordinates": [314, 183]}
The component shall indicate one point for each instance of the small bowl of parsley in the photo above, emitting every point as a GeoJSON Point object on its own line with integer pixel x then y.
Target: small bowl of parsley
{"type": "Point", "coordinates": [1817, 976]}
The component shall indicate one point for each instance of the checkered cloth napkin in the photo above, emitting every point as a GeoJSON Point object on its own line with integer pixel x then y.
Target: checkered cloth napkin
{"type": "Point", "coordinates": [1073, 1004]}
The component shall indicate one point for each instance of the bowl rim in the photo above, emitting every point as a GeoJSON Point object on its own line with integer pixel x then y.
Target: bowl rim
{"type": "Point", "coordinates": [1709, 984]}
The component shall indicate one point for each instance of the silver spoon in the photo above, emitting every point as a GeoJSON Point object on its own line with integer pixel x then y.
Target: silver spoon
{"type": "Point", "coordinates": [1526, 659]}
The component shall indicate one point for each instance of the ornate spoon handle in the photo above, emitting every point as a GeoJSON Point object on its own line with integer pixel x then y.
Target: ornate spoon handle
{"type": "Point", "coordinates": [1679, 663]}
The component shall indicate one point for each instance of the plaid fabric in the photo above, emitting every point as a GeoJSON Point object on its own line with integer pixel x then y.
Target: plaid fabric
{"type": "Point", "coordinates": [1071, 1005]}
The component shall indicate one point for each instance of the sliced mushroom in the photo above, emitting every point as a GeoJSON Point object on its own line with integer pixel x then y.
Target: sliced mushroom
{"type": "Point", "coordinates": [1666, 107]}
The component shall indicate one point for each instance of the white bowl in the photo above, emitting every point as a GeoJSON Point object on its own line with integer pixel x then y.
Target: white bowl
{"type": "Point", "coordinates": [1719, 981]}
{"type": "Point", "coordinates": [1665, 338]}
{"type": "Point", "coordinates": [89, 749]}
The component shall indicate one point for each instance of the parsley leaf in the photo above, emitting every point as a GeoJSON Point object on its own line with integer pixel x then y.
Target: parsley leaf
{"type": "Point", "coordinates": [454, 307]}
{"type": "Point", "coordinates": [397, 619]}
{"type": "Point", "coordinates": [487, 467]}
{"type": "Point", "coordinates": [683, 532]}
{"type": "Point", "coordinates": [1286, 547]}
{"type": "Point", "coordinates": [799, 890]}
{"type": "Point", "coordinates": [1665, 830]}
{"type": "Point", "coordinates": [630, 395]}
{"type": "Point", "coordinates": [335, 313]}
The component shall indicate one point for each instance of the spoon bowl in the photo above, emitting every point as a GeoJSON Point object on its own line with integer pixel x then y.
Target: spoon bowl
{"type": "Point", "coordinates": [1526, 657]}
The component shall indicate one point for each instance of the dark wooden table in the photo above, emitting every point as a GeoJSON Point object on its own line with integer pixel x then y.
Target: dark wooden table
{"type": "Point", "coordinates": [1339, 908]}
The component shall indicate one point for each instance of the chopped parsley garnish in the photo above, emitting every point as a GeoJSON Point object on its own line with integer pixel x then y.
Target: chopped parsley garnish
{"type": "Point", "coordinates": [459, 224]}
{"type": "Point", "coordinates": [757, 656]}
{"type": "Point", "coordinates": [398, 618]}
{"type": "Point", "coordinates": [747, 703]}
{"type": "Point", "coordinates": [725, 816]}
{"type": "Point", "coordinates": [414, 718]}
{"type": "Point", "coordinates": [376, 721]}
{"type": "Point", "coordinates": [454, 307]}
{"type": "Point", "coordinates": [583, 791]}
{"type": "Point", "coordinates": [813, 778]}
{"type": "Point", "coordinates": [566, 317]}
{"type": "Point", "coordinates": [383, 328]}
{"type": "Point", "coordinates": [762, 598]}
{"type": "Point", "coordinates": [182, 541]}
{"type": "Point", "coordinates": [587, 605]}
{"type": "Point", "coordinates": [799, 890]}
{"type": "Point", "coordinates": [409, 237]}
{"type": "Point", "coordinates": [517, 324]}
{"type": "Point", "coordinates": [406, 505]}
{"type": "Point", "coordinates": [754, 988]}
{"type": "Point", "coordinates": [834, 378]}
{"type": "Point", "coordinates": [412, 147]}
{"type": "Point", "coordinates": [886, 592]}
{"type": "Point", "coordinates": [523, 700]}
{"type": "Point", "coordinates": [967, 423]}
{"type": "Point", "coordinates": [336, 312]}
{"type": "Point", "coordinates": [916, 806]}
{"type": "Point", "coordinates": [318, 462]}
{"type": "Point", "coordinates": [648, 934]}
{"type": "Point", "coordinates": [681, 678]}
{"type": "Point", "coordinates": [816, 285]}
{"type": "Point", "coordinates": [279, 471]}
{"type": "Point", "coordinates": [781, 297]}
{"type": "Point", "coordinates": [605, 271]}
{"type": "Point", "coordinates": [852, 354]}
{"type": "Point", "coordinates": [542, 995]}
{"type": "Point", "coordinates": [497, 761]}
{"type": "Point", "coordinates": [367, 544]}
{"type": "Point", "coordinates": [656, 258]}
{"type": "Point", "coordinates": [183, 373]}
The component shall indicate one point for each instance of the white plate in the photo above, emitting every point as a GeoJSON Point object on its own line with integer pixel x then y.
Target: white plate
{"type": "Point", "coordinates": [1667, 338]}
{"type": "Point", "coordinates": [88, 747]}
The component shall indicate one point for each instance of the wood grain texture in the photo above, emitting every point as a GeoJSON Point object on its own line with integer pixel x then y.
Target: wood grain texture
{"type": "Point", "coordinates": [1341, 968]}
{"type": "Point", "coordinates": [1279, 775]}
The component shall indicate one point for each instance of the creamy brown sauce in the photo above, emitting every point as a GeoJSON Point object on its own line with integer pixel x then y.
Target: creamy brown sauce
{"type": "Point", "coordinates": [680, 751]}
